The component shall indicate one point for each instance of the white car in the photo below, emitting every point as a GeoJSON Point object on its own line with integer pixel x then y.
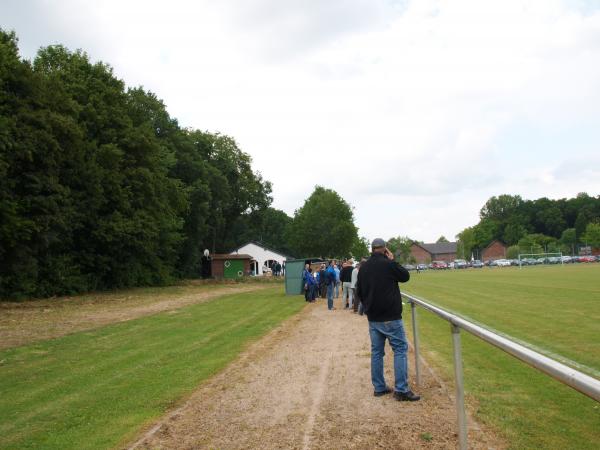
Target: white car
{"type": "Point", "coordinates": [502, 262]}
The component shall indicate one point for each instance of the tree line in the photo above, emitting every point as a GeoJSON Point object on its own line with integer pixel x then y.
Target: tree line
{"type": "Point", "coordinates": [100, 188]}
{"type": "Point", "coordinates": [534, 226]}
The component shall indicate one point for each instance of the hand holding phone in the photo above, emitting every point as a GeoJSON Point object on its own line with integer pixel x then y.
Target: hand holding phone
{"type": "Point", "coordinates": [389, 254]}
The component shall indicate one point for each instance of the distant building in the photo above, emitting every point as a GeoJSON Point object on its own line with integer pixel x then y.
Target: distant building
{"type": "Point", "coordinates": [495, 250]}
{"type": "Point", "coordinates": [439, 251]}
{"type": "Point", "coordinates": [261, 256]}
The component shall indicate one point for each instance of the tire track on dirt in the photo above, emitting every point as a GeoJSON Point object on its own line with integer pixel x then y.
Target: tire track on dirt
{"type": "Point", "coordinates": [316, 403]}
{"type": "Point", "coordinates": [307, 385]}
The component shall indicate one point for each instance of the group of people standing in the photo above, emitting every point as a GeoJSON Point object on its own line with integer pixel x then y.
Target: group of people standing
{"type": "Point", "coordinates": [327, 281]}
{"type": "Point", "coordinates": [372, 287]}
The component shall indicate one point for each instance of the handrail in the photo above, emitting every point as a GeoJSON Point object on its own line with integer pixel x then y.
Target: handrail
{"type": "Point", "coordinates": [575, 379]}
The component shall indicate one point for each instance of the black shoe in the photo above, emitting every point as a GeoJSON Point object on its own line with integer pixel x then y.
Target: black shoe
{"type": "Point", "coordinates": [380, 393]}
{"type": "Point", "coordinates": [408, 396]}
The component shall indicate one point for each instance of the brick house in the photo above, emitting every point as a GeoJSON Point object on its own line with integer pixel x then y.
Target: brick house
{"type": "Point", "coordinates": [439, 251]}
{"type": "Point", "coordinates": [495, 250]}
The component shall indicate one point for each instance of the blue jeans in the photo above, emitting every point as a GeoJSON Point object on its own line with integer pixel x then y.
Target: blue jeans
{"type": "Point", "coordinates": [394, 332]}
{"type": "Point", "coordinates": [330, 288]}
{"type": "Point", "coordinates": [337, 289]}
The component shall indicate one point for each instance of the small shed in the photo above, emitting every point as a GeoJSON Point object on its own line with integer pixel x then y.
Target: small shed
{"type": "Point", "coordinates": [293, 274]}
{"type": "Point", "coordinates": [230, 266]}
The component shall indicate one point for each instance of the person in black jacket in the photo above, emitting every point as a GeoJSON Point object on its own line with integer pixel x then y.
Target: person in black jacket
{"type": "Point", "coordinates": [378, 290]}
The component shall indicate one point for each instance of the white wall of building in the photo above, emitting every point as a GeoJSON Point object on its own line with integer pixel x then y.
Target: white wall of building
{"type": "Point", "coordinates": [260, 255]}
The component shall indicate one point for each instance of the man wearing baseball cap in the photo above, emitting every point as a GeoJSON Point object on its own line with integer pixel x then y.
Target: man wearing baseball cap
{"type": "Point", "coordinates": [378, 290]}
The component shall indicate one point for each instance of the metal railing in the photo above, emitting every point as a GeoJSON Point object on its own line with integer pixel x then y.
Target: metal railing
{"type": "Point", "coordinates": [567, 375]}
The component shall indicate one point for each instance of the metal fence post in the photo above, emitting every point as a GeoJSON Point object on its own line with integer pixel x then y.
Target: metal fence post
{"type": "Point", "coordinates": [460, 391]}
{"type": "Point", "coordinates": [413, 311]}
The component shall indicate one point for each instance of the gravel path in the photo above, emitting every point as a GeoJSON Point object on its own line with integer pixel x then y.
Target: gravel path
{"type": "Point", "coordinates": [307, 386]}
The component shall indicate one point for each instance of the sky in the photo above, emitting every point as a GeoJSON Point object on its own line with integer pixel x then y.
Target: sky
{"type": "Point", "coordinates": [415, 112]}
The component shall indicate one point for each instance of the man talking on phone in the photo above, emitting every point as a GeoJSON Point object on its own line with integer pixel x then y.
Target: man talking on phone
{"type": "Point", "coordinates": [378, 289]}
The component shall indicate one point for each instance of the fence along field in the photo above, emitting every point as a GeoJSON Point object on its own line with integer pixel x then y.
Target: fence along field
{"type": "Point", "coordinates": [554, 309]}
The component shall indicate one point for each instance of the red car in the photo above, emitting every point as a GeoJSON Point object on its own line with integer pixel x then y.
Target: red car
{"type": "Point", "coordinates": [439, 265]}
{"type": "Point", "coordinates": [587, 259]}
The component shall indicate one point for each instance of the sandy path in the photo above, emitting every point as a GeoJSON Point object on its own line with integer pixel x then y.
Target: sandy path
{"type": "Point", "coordinates": [307, 386]}
{"type": "Point", "coordinates": [26, 322]}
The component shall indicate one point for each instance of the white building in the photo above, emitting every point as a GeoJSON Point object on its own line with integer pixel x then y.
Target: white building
{"type": "Point", "coordinates": [262, 256]}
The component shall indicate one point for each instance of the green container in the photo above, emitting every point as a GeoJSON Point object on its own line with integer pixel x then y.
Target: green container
{"type": "Point", "coordinates": [293, 277]}
{"type": "Point", "coordinates": [234, 268]}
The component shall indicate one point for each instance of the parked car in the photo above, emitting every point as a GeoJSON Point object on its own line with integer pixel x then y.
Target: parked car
{"type": "Point", "coordinates": [567, 259]}
{"type": "Point", "coordinates": [502, 262]}
{"type": "Point", "coordinates": [422, 267]}
{"type": "Point", "coordinates": [477, 264]}
{"type": "Point", "coordinates": [460, 264]}
{"type": "Point", "coordinates": [439, 265]}
{"type": "Point", "coordinates": [491, 262]}
{"type": "Point", "coordinates": [409, 267]}
{"type": "Point", "coordinates": [587, 259]}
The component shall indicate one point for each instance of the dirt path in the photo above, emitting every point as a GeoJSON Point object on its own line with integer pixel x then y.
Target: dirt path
{"type": "Point", "coordinates": [307, 386]}
{"type": "Point", "coordinates": [26, 322]}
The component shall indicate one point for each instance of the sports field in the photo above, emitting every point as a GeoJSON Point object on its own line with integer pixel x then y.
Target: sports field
{"type": "Point", "coordinates": [554, 308]}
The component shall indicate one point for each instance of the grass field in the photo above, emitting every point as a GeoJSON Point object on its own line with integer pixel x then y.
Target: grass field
{"type": "Point", "coordinates": [95, 389]}
{"type": "Point", "coordinates": [557, 310]}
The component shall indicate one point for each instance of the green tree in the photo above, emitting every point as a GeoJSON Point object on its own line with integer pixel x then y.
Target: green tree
{"type": "Point", "coordinates": [513, 232]}
{"type": "Point", "coordinates": [466, 243]}
{"type": "Point", "coordinates": [485, 232]}
{"type": "Point", "coordinates": [400, 247]}
{"type": "Point", "coordinates": [268, 226]}
{"type": "Point", "coordinates": [512, 252]}
{"type": "Point", "coordinates": [592, 235]}
{"type": "Point", "coordinates": [568, 239]}
{"type": "Point", "coordinates": [537, 243]}
{"type": "Point", "coordinates": [360, 248]}
{"type": "Point", "coordinates": [323, 226]}
{"type": "Point", "coordinates": [442, 239]}
{"type": "Point", "coordinates": [100, 188]}
{"type": "Point", "coordinates": [501, 208]}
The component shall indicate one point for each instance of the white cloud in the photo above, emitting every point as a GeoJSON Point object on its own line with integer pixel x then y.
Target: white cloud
{"type": "Point", "coordinates": [407, 109]}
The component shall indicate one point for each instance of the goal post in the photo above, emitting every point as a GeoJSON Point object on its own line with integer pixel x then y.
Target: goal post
{"type": "Point", "coordinates": [524, 258]}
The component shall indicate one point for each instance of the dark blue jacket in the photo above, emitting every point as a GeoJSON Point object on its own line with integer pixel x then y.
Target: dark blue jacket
{"type": "Point", "coordinates": [330, 277]}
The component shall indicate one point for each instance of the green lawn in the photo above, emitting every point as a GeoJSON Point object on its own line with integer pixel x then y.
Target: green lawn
{"type": "Point", "coordinates": [557, 310]}
{"type": "Point", "coordinates": [96, 389]}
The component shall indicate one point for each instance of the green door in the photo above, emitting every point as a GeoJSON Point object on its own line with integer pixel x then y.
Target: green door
{"type": "Point", "coordinates": [234, 268]}
{"type": "Point", "coordinates": [293, 277]}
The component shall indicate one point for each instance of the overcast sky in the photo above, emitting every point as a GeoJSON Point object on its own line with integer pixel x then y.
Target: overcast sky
{"type": "Point", "coordinates": [415, 112]}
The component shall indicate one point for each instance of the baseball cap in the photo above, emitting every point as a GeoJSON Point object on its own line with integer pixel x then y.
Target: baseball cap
{"type": "Point", "coordinates": [378, 242]}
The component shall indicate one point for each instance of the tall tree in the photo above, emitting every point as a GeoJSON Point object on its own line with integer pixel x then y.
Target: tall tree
{"type": "Point", "coordinates": [400, 247]}
{"type": "Point", "coordinates": [592, 235]}
{"type": "Point", "coordinates": [323, 226]}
